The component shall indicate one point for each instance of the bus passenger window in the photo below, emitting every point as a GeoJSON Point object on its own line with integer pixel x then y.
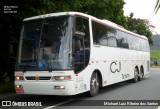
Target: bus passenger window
{"type": "Point", "coordinates": [112, 41]}
{"type": "Point", "coordinates": [122, 39]}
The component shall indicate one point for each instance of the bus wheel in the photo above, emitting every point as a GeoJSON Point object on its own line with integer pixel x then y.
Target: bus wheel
{"type": "Point", "coordinates": [141, 74]}
{"type": "Point", "coordinates": [94, 85]}
{"type": "Point", "coordinates": [135, 75]}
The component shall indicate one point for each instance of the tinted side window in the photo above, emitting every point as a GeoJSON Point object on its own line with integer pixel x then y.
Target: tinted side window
{"type": "Point", "coordinates": [81, 45]}
{"type": "Point", "coordinates": [103, 35]}
{"type": "Point", "coordinates": [134, 42]}
{"type": "Point", "coordinates": [112, 42]}
{"type": "Point", "coordinates": [82, 24]}
{"type": "Point", "coordinates": [99, 33]}
{"type": "Point", "coordinates": [122, 39]}
{"type": "Point", "coordinates": [146, 44]}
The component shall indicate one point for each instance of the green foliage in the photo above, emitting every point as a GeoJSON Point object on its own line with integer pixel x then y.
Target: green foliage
{"type": "Point", "coordinates": [103, 9]}
{"type": "Point", "coordinates": [7, 88]}
{"type": "Point", "coordinates": [107, 9]}
{"type": "Point", "coordinates": [156, 42]}
{"type": "Point", "coordinates": [6, 79]}
{"type": "Point", "coordinates": [155, 54]}
{"type": "Point", "coordinates": [155, 66]}
{"type": "Point", "coordinates": [140, 27]}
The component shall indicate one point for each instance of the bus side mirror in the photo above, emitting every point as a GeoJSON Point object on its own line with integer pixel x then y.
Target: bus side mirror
{"type": "Point", "coordinates": [13, 45]}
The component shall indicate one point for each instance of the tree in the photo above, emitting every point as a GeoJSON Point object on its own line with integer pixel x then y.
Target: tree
{"type": "Point", "coordinates": [139, 26]}
{"type": "Point", "coordinates": [10, 26]}
{"type": "Point", "coordinates": [104, 9]}
{"type": "Point", "coordinates": [107, 9]}
{"type": "Point", "coordinates": [157, 6]}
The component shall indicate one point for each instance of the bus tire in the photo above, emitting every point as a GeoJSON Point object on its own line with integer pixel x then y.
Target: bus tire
{"type": "Point", "coordinates": [135, 79]}
{"type": "Point", "coordinates": [141, 74]}
{"type": "Point", "coordinates": [94, 85]}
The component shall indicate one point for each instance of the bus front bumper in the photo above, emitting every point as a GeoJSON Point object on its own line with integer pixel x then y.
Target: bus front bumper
{"type": "Point", "coordinates": [45, 88]}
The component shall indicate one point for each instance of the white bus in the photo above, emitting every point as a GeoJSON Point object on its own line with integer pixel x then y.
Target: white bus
{"type": "Point", "coordinates": [69, 53]}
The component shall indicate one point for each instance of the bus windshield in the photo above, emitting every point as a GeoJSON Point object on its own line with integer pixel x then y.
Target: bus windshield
{"type": "Point", "coordinates": [45, 44]}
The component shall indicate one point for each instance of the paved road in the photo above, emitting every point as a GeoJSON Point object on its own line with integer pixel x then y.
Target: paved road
{"type": "Point", "coordinates": [148, 89]}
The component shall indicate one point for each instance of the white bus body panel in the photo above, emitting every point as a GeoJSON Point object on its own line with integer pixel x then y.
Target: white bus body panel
{"type": "Point", "coordinates": [46, 87]}
{"type": "Point", "coordinates": [126, 60]}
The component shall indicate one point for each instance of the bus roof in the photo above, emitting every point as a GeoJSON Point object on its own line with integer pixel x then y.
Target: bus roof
{"type": "Point", "coordinates": [104, 21]}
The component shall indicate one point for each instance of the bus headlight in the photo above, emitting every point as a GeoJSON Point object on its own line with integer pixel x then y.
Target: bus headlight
{"type": "Point", "coordinates": [19, 78]}
{"type": "Point", "coordinates": [62, 77]}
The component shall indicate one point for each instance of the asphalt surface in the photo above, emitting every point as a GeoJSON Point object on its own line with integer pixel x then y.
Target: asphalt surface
{"type": "Point", "coordinates": [147, 89]}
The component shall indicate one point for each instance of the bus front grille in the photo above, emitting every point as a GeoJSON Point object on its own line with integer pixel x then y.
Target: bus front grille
{"type": "Point", "coordinates": [38, 78]}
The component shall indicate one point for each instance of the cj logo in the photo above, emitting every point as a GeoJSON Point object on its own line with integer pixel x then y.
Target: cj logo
{"type": "Point", "coordinates": [115, 67]}
{"type": "Point", "coordinates": [6, 103]}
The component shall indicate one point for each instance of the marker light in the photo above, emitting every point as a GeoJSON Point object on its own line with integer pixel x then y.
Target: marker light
{"type": "Point", "coordinates": [68, 78]}
{"type": "Point", "coordinates": [19, 78]}
{"type": "Point", "coordinates": [18, 86]}
{"type": "Point", "coordinates": [59, 77]}
{"type": "Point", "coordinates": [62, 77]}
